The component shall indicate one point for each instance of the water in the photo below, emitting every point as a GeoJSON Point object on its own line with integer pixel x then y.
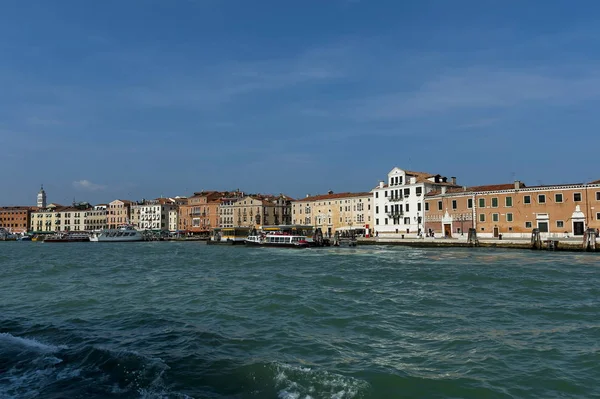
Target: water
{"type": "Point", "coordinates": [186, 320]}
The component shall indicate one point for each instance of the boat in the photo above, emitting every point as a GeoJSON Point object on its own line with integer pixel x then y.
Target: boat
{"type": "Point", "coordinates": [123, 233]}
{"type": "Point", "coordinates": [6, 235]}
{"type": "Point", "coordinates": [69, 236]}
{"type": "Point", "coordinates": [25, 238]}
{"type": "Point", "coordinates": [276, 239]}
{"type": "Point", "coordinates": [228, 236]}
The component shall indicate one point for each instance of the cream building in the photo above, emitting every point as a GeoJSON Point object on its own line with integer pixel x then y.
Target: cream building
{"type": "Point", "coordinates": [118, 213]}
{"type": "Point", "coordinates": [44, 220]}
{"type": "Point", "coordinates": [95, 218]}
{"type": "Point", "coordinates": [333, 212]}
{"type": "Point", "coordinates": [255, 211]}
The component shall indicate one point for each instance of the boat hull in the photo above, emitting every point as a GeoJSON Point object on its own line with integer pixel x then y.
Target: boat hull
{"type": "Point", "coordinates": [67, 240]}
{"type": "Point", "coordinates": [278, 245]}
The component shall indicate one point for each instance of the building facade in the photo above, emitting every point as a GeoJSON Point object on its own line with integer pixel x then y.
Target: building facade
{"type": "Point", "coordinates": [334, 212]}
{"type": "Point", "coordinates": [154, 214]}
{"type": "Point", "coordinates": [95, 218]}
{"type": "Point", "coordinates": [255, 211]}
{"type": "Point", "coordinates": [399, 203]}
{"type": "Point", "coordinates": [46, 220]}
{"type": "Point", "coordinates": [16, 219]}
{"type": "Point", "coordinates": [514, 210]}
{"type": "Point", "coordinates": [118, 213]}
{"type": "Point", "coordinates": [201, 212]}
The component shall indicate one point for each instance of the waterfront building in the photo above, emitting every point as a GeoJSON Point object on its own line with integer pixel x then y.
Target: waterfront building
{"type": "Point", "coordinates": [154, 214]}
{"type": "Point", "coordinates": [46, 220]}
{"type": "Point", "coordinates": [16, 219]}
{"type": "Point", "coordinates": [399, 202]}
{"type": "Point", "coordinates": [118, 213]}
{"type": "Point", "coordinates": [513, 210]}
{"type": "Point", "coordinates": [96, 218]}
{"type": "Point", "coordinates": [255, 211]}
{"type": "Point", "coordinates": [134, 213]}
{"type": "Point", "coordinates": [72, 218]}
{"type": "Point", "coordinates": [201, 212]}
{"type": "Point", "coordinates": [333, 212]}
{"type": "Point", "coordinates": [226, 209]}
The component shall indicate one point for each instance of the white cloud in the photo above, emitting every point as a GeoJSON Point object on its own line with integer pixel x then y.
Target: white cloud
{"type": "Point", "coordinates": [88, 185]}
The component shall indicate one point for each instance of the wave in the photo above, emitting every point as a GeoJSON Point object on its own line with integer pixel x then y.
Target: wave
{"type": "Point", "coordinates": [30, 369]}
{"type": "Point", "coordinates": [7, 339]}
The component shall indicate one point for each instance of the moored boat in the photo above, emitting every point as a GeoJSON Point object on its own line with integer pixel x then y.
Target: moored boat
{"type": "Point", "coordinates": [280, 240]}
{"type": "Point", "coordinates": [124, 233]}
{"type": "Point", "coordinates": [69, 237]}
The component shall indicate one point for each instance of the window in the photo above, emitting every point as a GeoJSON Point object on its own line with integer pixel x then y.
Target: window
{"type": "Point", "coordinates": [377, 209]}
{"type": "Point", "coordinates": [495, 217]}
{"type": "Point", "coordinates": [558, 198]}
{"type": "Point", "coordinates": [439, 205]}
{"type": "Point", "coordinates": [386, 220]}
{"type": "Point", "coordinates": [543, 226]}
{"type": "Point", "coordinates": [560, 224]}
{"type": "Point", "coordinates": [508, 202]}
{"type": "Point", "coordinates": [376, 194]}
{"type": "Point", "coordinates": [407, 207]}
{"type": "Point", "coordinates": [494, 202]}
{"type": "Point", "coordinates": [597, 195]}
{"type": "Point", "coordinates": [385, 208]}
{"type": "Point", "coordinates": [427, 206]}
{"type": "Point", "coordinates": [527, 199]}
{"type": "Point", "coordinates": [509, 217]}
{"type": "Point", "coordinates": [470, 203]}
{"type": "Point", "coordinates": [482, 202]}
{"type": "Point", "coordinates": [527, 225]}
{"type": "Point", "coordinates": [598, 216]}
{"type": "Point", "coordinates": [577, 197]}
{"type": "Point", "coordinates": [376, 221]}
{"type": "Point", "coordinates": [541, 198]}
{"type": "Point", "coordinates": [419, 207]}
{"type": "Point", "coordinates": [419, 191]}
{"type": "Point", "coordinates": [482, 217]}
{"type": "Point", "coordinates": [453, 204]}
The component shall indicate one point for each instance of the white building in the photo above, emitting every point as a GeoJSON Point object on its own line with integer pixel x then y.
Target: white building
{"type": "Point", "coordinates": [399, 204]}
{"type": "Point", "coordinates": [155, 215]}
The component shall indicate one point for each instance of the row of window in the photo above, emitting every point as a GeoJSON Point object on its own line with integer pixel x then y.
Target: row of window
{"type": "Point", "coordinates": [508, 201]}
{"type": "Point", "coordinates": [398, 208]}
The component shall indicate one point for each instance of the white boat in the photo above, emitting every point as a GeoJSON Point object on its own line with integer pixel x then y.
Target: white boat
{"type": "Point", "coordinates": [124, 233]}
{"type": "Point", "coordinates": [280, 240]}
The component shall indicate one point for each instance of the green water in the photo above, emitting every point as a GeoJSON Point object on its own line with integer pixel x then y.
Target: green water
{"type": "Point", "coordinates": [177, 320]}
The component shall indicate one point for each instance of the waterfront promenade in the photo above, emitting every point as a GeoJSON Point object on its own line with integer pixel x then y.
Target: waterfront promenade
{"type": "Point", "coordinates": [574, 244]}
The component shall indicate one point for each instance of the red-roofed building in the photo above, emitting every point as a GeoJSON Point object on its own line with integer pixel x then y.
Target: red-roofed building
{"type": "Point", "coordinates": [514, 210]}
{"type": "Point", "coordinates": [333, 212]}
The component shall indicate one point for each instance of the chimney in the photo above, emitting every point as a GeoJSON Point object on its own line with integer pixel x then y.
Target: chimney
{"type": "Point", "coordinates": [329, 192]}
{"type": "Point", "coordinates": [381, 184]}
{"type": "Point", "coordinates": [443, 190]}
{"type": "Point", "coordinates": [517, 184]}
{"type": "Point", "coordinates": [453, 179]}
{"type": "Point", "coordinates": [413, 180]}
{"type": "Point", "coordinates": [307, 195]}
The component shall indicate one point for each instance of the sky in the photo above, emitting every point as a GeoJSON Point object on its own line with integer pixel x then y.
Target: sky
{"type": "Point", "coordinates": [141, 99]}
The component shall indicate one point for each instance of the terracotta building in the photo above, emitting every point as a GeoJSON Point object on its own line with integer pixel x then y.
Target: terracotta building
{"type": "Point", "coordinates": [118, 213]}
{"type": "Point", "coordinates": [16, 219]}
{"type": "Point", "coordinates": [201, 212]}
{"type": "Point", "coordinates": [514, 210]}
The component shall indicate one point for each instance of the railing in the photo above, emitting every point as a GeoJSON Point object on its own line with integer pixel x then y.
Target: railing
{"type": "Point", "coordinates": [395, 199]}
{"type": "Point", "coordinates": [395, 214]}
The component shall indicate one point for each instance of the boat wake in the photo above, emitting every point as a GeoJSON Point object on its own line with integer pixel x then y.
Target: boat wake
{"type": "Point", "coordinates": [30, 368]}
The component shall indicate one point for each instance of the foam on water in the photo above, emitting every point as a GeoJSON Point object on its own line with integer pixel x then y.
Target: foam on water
{"type": "Point", "coordinates": [29, 343]}
{"type": "Point", "coordinates": [296, 382]}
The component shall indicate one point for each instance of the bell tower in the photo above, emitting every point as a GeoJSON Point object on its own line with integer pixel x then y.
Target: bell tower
{"type": "Point", "coordinates": [41, 198]}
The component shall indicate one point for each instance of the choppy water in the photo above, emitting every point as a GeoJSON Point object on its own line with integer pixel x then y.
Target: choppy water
{"type": "Point", "coordinates": [186, 320]}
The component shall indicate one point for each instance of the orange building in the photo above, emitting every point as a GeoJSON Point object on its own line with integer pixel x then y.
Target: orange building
{"type": "Point", "coordinates": [201, 212]}
{"type": "Point", "coordinates": [16, 219]}
{"type": "Point", "coordinates": [118, 213]}
{"type": "Point", "coordinates": [514, 210]}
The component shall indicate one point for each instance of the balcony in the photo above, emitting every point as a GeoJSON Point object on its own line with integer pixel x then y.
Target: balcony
{"type": "Point", "coordinates": [395, 199]}
{"type": "Point", "coordinates": [394, 215]}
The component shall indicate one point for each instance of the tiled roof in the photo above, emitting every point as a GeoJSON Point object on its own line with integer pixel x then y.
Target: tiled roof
{"type": "Point", "coordinates": [595, 182]}
{"type": "Point", "coordinates": [476, 189]}
{"type": "Point", "coordinates": [333, 196]}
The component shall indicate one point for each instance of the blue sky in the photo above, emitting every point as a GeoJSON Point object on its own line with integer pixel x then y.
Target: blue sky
{"type": "Point", "coordinates": [137, 99]}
